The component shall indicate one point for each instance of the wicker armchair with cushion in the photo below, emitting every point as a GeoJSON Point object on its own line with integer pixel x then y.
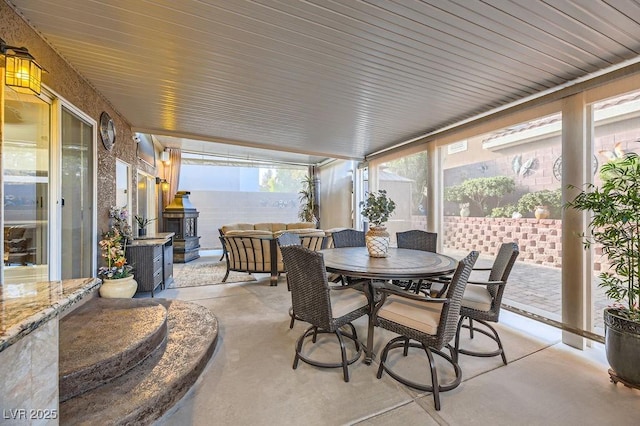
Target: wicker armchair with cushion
{"type": "Point", "coordinates": [426, 323]}
{"type": "Point", "coordinates": [252, 247]}
{"type": "Point", "coordinates": [416, 239]}
{"type": "Point", "coordinates": [482, 300]}
{"type": "Point", "coordinates": [326, 308]}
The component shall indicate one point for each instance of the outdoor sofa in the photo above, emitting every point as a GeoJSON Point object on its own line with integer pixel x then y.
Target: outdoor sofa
{"type": "Point", "coordinates": [253, 248]}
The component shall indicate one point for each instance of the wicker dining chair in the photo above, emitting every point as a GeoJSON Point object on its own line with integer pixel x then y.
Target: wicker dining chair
{"type": "Point", "coordinates": [326, 308]}
{"type": "Point", "coordinates": [289, 239]}
{"type": "Point", "coordinates": [426, 323]}
{"type": "Point", "coordinates": [482, 301]}
{"type": "Point", "coordinates": [348, 238]}
{"type": "Point", "coordinates": [416, 239]}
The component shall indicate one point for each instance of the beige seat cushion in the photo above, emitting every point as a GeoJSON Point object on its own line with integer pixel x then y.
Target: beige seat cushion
{"type": "Point", "coordinates": [301, 225]}
{"type": "Point", "coordinates": [345, 301]}
{"type": "Point", "coordinates": [477, 297]}
{"type": "Point", "coordinates": [410, 313]}
{"type": "Point", "coordinates": [237, 227]}
{"type": "Point", "coordinates": [249, 233]}
{"type": "Point", "coordinates": [270, 226]}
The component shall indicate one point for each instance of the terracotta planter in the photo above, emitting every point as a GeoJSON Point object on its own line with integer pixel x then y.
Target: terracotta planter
{"type": "Point", "coordinates": [622, 345]}
{"type": "Point", "coordinates": [122, 288]}
{"type": "Point", "coordinates": [377, 240]}
{"type": "Point", "coordinates": [542, 212]}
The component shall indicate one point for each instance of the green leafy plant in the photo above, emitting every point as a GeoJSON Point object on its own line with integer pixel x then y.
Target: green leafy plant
{"type": "Point", "coordinates": [481, 191]}
{"type": "Point", "coordinates": [550, 198]}
{"type": "Point", "coordinates": [142, 221]}
{"type": "Point", "coordinates": [377, 207]}
{"type": "Point", "coordinates": [615, 224]}
{"type": "Point", "coordinates": [504, 211]}
{"type": "Point", "coordinates": [308, 206]}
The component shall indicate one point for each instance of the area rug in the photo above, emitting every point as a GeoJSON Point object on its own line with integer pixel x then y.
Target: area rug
{"type": "Point", "coordinates": [205, 273]}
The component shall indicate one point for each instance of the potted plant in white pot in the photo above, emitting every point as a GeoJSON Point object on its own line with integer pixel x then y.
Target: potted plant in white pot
{"type": "Point", "coordinates": [615, 225]}
{"type": "Point", "coordinates": [377, 208]}
{"type": "Point", "coordinates": [117, 275]}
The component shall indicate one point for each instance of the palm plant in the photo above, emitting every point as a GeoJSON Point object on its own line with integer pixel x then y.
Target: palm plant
{"type": "Point", "coordinates": [308, 206]}
{"type": "Point", "coordinates": [615, 224]}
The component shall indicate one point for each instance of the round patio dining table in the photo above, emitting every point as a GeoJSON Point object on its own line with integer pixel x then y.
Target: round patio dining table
{"type": "Point", "coordinates": [400, 264]}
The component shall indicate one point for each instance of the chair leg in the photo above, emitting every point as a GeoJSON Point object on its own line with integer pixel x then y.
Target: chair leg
{"type": "Point", "coordinates": [435, 387]}
{"type": "Point", "coordinates": [293, 317]}
{"type": "Point", "coordinates": [313, 331]}
{"type": "Point", "coordinates": [406, 347]}
{"type": "Point", "coordinates": [457, 340]}
{"type": "Point", "coordinates": [493, 335]}
{"type": "Point", "coordinates": [354, 335]}
{"type": "Point", "coordinates": [470, 328]}
{"type": "Point", "coordinates": [343, 352]}
{"type": "Point", "coordinates": [383, 358]}
{"type": "Point", "coordinates": [434, 378]}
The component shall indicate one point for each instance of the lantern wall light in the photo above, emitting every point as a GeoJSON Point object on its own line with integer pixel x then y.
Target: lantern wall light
{"type": "Point", "coordinates": [22, 72]}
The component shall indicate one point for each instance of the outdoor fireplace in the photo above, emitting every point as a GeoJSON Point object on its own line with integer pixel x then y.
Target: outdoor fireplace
{"type": "Point", "coordinates": [181, 218]}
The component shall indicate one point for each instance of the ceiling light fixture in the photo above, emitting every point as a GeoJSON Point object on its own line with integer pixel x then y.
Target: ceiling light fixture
{"type": "Point", "coordinates": [22, 72]}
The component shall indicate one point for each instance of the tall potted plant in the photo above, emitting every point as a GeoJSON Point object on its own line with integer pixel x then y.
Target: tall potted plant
{"type": "Point", "coordinates": [308, 206]}
{"type": "Point", "coordinates": [615, 225]}
{"type": "Point", "coordinates": [377, 208]}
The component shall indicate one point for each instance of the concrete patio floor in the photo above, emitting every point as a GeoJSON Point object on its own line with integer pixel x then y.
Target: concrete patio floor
{"type": "Point", "coordinates": [250, 381]}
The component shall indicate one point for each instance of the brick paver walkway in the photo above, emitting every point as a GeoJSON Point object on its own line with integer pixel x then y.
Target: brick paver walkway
{"type": "Point", "coordinates": [537, 287]}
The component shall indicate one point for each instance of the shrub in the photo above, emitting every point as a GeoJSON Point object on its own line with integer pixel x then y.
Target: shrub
{"type": "Point", "coordinates": [504, 211]}
{"type": "Point", "coordinates": [549, 198]}
{"type": "Point", "coordinates": [482, 192]}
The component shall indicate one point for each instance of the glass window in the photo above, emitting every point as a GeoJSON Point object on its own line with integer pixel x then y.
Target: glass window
{"type": "Point", "coordinates": [616, 132]}
{"type": "Point", "coordinates": [225, 191]}
{"type": "Point", "coordinates": [504, 186]}
{"type": "Point", "coordinates": [77, 195]}
{"type": "Point", "coordinates": [405, 180]}
{"type": "Point", "coordinates": [25, 158]}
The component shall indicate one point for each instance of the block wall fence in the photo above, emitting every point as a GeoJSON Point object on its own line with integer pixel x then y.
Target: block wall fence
{"type": "Point", "coordinates": [540, 240]}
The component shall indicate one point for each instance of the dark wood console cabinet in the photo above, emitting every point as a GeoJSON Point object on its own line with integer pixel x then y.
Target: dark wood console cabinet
{"type": "Point", "coordinates": [152, 261]}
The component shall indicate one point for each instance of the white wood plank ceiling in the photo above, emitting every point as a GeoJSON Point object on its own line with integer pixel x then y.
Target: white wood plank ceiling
{"type": "Point", "coordinates": [328, 78]}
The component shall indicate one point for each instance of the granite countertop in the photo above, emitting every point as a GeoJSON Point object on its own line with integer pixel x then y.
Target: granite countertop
{"type": "Point", "coordinates": [151, 239]}
{"type": "Point", "coordinates": [25, 307]}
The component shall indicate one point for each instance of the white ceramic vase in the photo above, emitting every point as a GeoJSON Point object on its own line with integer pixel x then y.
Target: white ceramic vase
{"type": "Point", "coordinates": [377, 240]}
{"type": "Point", "coordinates": [122, 288]}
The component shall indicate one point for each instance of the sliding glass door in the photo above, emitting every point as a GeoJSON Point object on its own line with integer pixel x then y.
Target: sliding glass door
{"type": "Point", "coordinates": [26, 172]}
{"type": "Point", "coordinates": [77, 196]}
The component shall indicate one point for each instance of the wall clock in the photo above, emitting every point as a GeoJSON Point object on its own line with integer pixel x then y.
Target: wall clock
{"type": "Point", "coordinates": [107, 131]}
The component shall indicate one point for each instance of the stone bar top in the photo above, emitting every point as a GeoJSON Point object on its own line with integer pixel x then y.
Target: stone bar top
{"type": "Point", "coordinates": [151, 239]}
{"type": "Point", "coordinates": [25, 307]}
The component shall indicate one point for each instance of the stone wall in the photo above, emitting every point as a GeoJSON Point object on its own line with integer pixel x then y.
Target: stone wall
{"type": "Point", "coordinates": [539, 239]}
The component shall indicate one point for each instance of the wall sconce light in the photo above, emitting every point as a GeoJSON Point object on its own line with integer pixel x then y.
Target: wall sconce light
{"type": "Point", "coordinates": [164, 156]}
{"type": "Point", "coordinates": [164, 184]}
{"type": "Point", "coordinates": [22, 72]}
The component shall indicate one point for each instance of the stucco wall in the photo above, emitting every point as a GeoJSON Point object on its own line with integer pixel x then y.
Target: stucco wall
{"type": "Point", "coordinates": [68, 84]}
